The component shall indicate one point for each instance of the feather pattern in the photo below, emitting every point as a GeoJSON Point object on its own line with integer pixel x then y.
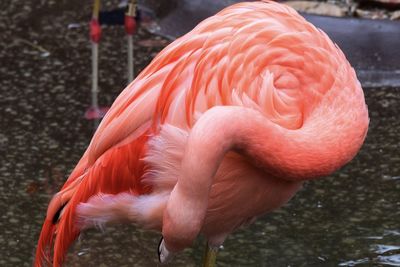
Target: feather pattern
{"type": "Point", "coordinates": [262, 56]}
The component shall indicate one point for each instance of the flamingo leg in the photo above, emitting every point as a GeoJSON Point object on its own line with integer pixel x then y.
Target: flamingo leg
{"type": "Point", "coordinates": [210, 256]}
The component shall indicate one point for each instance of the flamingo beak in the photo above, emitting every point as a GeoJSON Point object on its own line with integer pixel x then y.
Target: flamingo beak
{"type": "Point", "coordinates": [164, 256]}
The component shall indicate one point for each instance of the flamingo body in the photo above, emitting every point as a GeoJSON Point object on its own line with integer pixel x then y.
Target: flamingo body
{"type": "Point", "coordinates": [223, 126]}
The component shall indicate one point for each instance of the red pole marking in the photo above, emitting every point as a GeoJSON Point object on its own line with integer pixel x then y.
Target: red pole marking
{"type": "Point", "coordinates": [130, 25]}
{"type": "Point", "coordinates": [95, 30]}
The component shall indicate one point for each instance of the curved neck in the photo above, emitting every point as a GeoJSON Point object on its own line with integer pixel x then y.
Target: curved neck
{"type": "Point", "coordinates": [322, 145]}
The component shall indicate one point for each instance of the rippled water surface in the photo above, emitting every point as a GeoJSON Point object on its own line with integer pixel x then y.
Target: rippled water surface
{"type": "Point", "coordinates": [351, 218]}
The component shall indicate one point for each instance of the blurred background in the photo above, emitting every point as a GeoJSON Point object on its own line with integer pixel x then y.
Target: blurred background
{"type": "Point", "coordinates": [351, 218]}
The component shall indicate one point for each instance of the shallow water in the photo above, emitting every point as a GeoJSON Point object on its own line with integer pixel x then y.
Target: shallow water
{"type": "Point", "coordinates": [351, 218]}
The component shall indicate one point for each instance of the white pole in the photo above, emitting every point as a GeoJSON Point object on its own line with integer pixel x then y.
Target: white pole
{"type": "Point", "coordinates": [95, 75]}
{"type": "Point", "coordinates": [95, 33]}
{"type": "Point", "coordinates": [130, 27]}
{"type": "Point", "coordinates": [130, 57]}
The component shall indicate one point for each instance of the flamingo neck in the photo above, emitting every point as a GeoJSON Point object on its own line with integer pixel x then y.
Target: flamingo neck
{"type": "Point", "coordinates": [326, 141]}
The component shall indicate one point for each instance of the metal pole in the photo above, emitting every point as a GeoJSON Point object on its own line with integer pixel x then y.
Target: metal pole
{"type": "Point", "coordinates": [96, 9]}
{"type": "Point", "coordinates": [130, 58]}
{"type": "Point", "coordinates": [95, 72]}
{"type": "Point", "coordinates": [130, 27]}
{"type": "Point", "coordinates": [95, 34]}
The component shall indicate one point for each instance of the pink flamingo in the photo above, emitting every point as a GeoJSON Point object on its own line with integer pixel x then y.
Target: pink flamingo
{"type": "Point", "coordinates": [223, 126]}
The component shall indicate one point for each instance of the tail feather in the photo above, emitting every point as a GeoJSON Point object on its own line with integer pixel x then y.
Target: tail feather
{"type": "Point", "coordinates": [118, 170]}
{"type": "Point", "coordinates": [43, 254]}
{"type": "Point", "coordinates": [105, 208]}
{"type": "Point", "coordinates": [146, 210]}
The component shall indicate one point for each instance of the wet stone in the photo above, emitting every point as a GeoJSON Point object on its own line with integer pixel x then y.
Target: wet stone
{"type": "Point", "coordinates": [13, 221]}
{"type": "Point", "coordinates": [14, 259]}
{"type": "Point", "coordinates": [12, 243]}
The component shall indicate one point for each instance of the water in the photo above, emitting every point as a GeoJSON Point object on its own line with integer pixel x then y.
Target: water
{"type": "Point", "coordinates": [351, 218]}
